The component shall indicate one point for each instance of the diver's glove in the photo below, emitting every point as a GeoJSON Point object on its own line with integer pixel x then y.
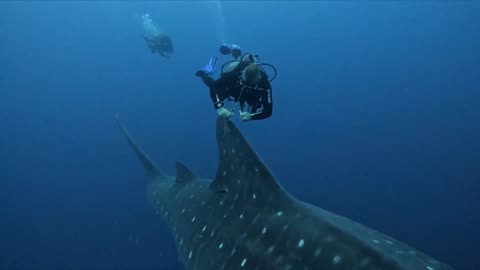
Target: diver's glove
{"type": "Point", "coordinates": [245, 116]}
{"type": "Point", "coordinates": [224, 112]}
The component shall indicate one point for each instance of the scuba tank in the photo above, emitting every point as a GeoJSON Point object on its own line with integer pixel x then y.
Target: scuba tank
{"type": "Point", "coordinates": [250, 58]}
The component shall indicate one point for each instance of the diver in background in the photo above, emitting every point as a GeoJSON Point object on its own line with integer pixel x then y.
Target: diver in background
{"type": "Point", "coordinates": [245, 83]}
{"type": "Point", "coordinates": [158, 42]}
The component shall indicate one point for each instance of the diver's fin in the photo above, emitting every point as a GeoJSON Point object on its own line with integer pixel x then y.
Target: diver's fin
{"type": "Point", "coordinates": [150, 167]}
{"type": "Point", "coordinates": [184, 175]}
{"type": "Point", "coordinates": [241, 171]}
{"type": "Point", "coordinates": [211, 66]}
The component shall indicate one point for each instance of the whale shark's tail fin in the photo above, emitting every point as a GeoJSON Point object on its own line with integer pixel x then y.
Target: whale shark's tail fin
{"type": "Point", "coordinates": [152, 170]}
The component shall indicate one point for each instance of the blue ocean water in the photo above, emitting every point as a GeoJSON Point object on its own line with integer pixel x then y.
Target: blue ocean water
{"type": "Point", "coordinates": [376, 112]}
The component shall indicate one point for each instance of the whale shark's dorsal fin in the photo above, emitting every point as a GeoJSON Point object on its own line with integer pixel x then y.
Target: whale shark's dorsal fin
{"type": "Point", "coordinates": [184, 175]}
{"type": "Point", "coordinates": [240, 170]}
{"type": "Point", "coordinates": [152, 170]}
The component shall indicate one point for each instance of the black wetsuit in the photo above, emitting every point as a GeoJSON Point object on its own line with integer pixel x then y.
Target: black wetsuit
{"type": "Point", "coordinates": [229, 86]}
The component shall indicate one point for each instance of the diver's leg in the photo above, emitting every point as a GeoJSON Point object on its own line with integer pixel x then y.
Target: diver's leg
{"type": "Point", "coordinates": [207, 80]}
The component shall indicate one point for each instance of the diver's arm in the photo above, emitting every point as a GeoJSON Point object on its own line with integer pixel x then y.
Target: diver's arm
{"type": "Point", "coordinates": [216, 89]}
{"type": "Point", "coordinates": [216, 86]}
{"type": "Point", "coordinates": [217, 103]}
{"type": "Point", "coordinates": [212, 85]}
{"type": "Point", "coordinates": [267, 103]}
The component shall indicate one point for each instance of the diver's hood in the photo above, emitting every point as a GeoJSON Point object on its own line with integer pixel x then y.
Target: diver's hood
{"type": "Point", "coordinates": [252, 74]}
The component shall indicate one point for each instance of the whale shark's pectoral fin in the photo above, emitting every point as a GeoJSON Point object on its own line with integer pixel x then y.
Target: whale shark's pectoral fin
{"type": "Point", "coordinates": [152, 170]}
{"type": "Point", "coordinates": [184, 175]}
{"type": "Point", "coordinates": [240, 170]}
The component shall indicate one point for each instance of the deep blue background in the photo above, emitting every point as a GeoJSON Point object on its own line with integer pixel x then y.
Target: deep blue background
{"type": "Point", "coordinates": [376, 118]}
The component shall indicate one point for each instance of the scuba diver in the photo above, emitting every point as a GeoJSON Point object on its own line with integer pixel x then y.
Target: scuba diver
{"type": "Point", "coordinates": [156, 40]}
{"type": "Point", "coordinates": [245, 82]}
{"type": "Point", "coordinates": [160, 43]}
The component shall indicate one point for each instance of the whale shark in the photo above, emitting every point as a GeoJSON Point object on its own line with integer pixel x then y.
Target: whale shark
{"type": "Point", "coordinates": [244, 219]}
